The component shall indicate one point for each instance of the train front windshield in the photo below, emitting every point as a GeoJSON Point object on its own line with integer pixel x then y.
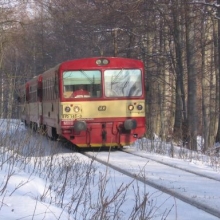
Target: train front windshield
{"type": "Point", "coordinates": [123, 83]}
{"type": "Point", "coordinates": [117, 83]}
{"type": "Point", "coordinates": [82, 84]}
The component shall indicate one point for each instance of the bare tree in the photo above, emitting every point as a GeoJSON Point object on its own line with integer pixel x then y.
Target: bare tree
{"type": "Point", "coordinates": [192, 77]}
{"type": "Point", "coordinates": [218, 75]}
{"type": "Point", "coordinates": [178, 63]}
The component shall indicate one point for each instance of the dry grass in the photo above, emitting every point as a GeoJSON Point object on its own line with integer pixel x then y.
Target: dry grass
{"type": "Point", "coordinates": [74, 185]}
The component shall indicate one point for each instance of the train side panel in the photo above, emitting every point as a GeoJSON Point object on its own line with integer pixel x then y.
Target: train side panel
{"type": "Point", "coordinates": [23, 104]}
{"type": "Point", "coordinates": [50, 102]}
{"type": "Point", "coordinates": [34, 100]}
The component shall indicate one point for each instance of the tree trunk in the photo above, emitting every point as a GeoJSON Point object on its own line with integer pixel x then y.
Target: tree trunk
{"type": "Point", "coordinates": [205, 52]}
{"type": "Point", "coordinates": [180, 110]}
{"type": "Point", "coordinates": [192, 84]}
{"type": "Point", "coordinates": [218, 77]}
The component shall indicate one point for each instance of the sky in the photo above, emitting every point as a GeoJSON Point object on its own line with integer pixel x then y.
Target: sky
{"type": "Point", "coordinates": [62, 184]}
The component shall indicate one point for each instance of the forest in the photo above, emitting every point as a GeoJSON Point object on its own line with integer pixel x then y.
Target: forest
{"type": "Point", "coordinates": [178, 41]}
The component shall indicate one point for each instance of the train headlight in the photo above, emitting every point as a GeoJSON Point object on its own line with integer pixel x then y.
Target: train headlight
{"type": "Point", "coordinates": [130, 107]}
{"type": "Point", "coordinates": [101, 62]}
{"type": "Point", "coordinates": [105, 61]}
{"type": "Point", "coordinates": [67, 109]}
{"type": "Point", "coordinates": [76, 109]}
{"type": "Point", "coordinates": [139, 107]}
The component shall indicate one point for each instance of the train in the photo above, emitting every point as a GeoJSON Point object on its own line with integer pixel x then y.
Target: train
{"type": "Point", "coordinates": [91, 102]}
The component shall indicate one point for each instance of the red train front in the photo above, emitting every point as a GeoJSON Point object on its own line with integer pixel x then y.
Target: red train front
{"type": "Point", "coordinates": [94, 102]}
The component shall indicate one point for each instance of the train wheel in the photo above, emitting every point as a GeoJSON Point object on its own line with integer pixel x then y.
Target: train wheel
{"type": "Point", "coordinates": [41, 130]}
{"type": "Point", "coordinates": [33, 126]}
{"type": "Point", "coordinates": [118, 147]}
{"type": "Point", "coordinates": [52, 133]}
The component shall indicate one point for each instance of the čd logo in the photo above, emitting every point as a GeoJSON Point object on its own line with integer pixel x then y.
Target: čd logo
{"type": "Point", "coordinates": [102, 108]}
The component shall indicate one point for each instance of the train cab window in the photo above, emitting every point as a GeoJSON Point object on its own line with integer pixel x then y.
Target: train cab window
{"type": "Point", "coordinates": [123, 83]}
{"type": "Point", "coordinates": [82, 84]}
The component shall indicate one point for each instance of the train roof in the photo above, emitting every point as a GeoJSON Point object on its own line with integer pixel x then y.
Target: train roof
{"type": "Point", "coordinates": [92, 62]}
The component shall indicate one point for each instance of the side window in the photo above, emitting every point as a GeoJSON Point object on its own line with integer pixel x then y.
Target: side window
{"type": "Point", "coordinates": [44, 90]}
{"type": "Point", "coordinates": [56, 85]}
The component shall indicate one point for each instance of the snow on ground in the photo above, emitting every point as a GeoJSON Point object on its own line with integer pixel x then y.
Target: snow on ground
{"type": "Point", "coordinates": [68, 185]}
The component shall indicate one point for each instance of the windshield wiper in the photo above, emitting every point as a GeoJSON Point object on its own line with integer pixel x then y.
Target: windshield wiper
{"type": "Point", "coordinates": [114, 78]}
{"type": "Point", "coordinates": [123, 87]}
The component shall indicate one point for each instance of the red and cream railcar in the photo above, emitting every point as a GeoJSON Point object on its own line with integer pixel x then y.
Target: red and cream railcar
{"type": "Point", "coordinates": [34, 98]}
{"type": "Point", "coordinates": [23, 104]}
{"type": "Point", "coordinates": [30, 98]}
{"type": "Point", "coordinates": [91, 102]}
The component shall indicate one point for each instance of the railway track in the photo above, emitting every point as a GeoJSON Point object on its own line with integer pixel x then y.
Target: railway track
{"type": "Point", "coordinates": [192, 187]}
{"type": "Point", "coordinates": [158, 173]}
